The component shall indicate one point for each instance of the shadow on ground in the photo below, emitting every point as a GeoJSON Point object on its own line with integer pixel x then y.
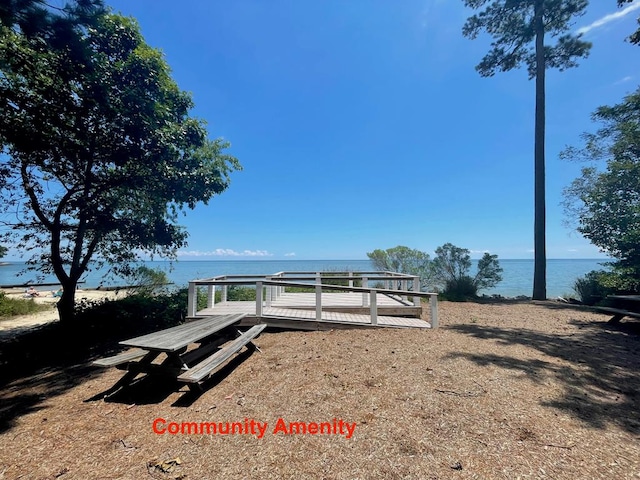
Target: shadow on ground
{"type": "Point", "coordinates": [599, 369]}
{"type": "Point", "coordinates": [46, 361]}
{"type": "Point", "coordinates": [150, 389]}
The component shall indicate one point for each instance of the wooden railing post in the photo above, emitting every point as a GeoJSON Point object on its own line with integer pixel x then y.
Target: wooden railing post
{"type": "Point", "coordinates": [225, 291]}
{"type": "Point", "coordinates": [269, 293]}
{"type": "Point", "coordinates": [404, 287]}
{"type": "Point", "coordinates": [318, 302]}
{"type": "Point", "coordinates": [433, 303]}
{"type": "Point", "coordinates": [351, 279]}
{"type": "Point", "coordinates": [373, 307]}
{"type": "Point", "coordinates": [416, 288]}
{"type": "Point", "coordinates": [192, 300]}
{"type": "Point", "coordinates": [365, 297]}
{"type": "Point", "coordinates": [211, 296]}
{"type": "Point", "coordinates": [258, 299]}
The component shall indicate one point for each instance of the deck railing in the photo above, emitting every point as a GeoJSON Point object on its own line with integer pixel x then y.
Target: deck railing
{"type": "Point", "coordinates": [271, 287]}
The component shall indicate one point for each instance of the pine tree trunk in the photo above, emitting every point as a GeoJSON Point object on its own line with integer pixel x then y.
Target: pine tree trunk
{"type": "Point", "coordinates": [540, 254]}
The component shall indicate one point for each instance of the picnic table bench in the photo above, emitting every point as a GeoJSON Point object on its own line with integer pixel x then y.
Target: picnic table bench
{"type": "Point", "coordinates": [624, 306]}
{"type": "Point", "coordinates": [212, 336]}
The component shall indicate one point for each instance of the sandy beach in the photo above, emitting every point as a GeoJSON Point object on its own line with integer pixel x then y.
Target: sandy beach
{"type": "Point", "coordinates": [46, 297]}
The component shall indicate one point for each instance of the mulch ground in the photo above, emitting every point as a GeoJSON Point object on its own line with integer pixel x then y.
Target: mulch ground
{"type": "Point", "coordinates": [505, 390]}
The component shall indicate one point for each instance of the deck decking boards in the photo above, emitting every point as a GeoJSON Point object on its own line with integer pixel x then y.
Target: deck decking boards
{"type": "Point", "coordinates": [298, 310]}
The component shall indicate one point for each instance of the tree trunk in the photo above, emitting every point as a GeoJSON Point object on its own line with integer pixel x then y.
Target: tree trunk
{"type": "Point", "coordinates": [539, 228]}
{"type": "Point", "coordinates": [66, 304]}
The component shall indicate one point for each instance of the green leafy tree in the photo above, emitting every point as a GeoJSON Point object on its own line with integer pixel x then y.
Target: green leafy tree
{"type": "Point", "coordinates": [635, 36]}
{"type": "Point", "coordinates": [58, 26]}
{"type": "Point", "coordinates": [404, 260]}
{"type": "Point", "coordinates": [452, 266]}
{"type": "Point", "coordinates": [3, 251]}
{"type": "Point", "coordinates": [520, 29]}
{"type": "Point", "coordinates": [149, 281]}
{"type": "Point", "coordinates": [100, 153]}
{"type": "Point", "coordinates": [605, 204]}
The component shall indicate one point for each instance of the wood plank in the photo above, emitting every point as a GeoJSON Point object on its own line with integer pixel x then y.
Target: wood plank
{"type": "Point", "coordinates": [302, 319]}
{"type": "Point", "coordinates": [174, 338]}
{"type": "Point", "coordinates": [124, 357]}
{"type": "Point", "coordinates": [203, 369]}
{"type": "Point", "coordinates": [618, 310]}
{"type": "Point", "coordinates": [199, 353]}
{"type": "Point", "coordinates": [619, 313]}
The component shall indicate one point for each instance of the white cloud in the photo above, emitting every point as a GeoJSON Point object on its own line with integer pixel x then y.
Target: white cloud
{"type": "Point", "coordinates": [224, 252]}
{"type": "Point", "coordinates": [292, 254]}
{"type": "Point", "coordinates": [609, 18]}
{"type": "Point", "coordinates": [624, 80]}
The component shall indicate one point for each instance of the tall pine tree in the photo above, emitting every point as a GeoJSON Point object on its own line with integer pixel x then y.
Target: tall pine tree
{"type": "Point", "coordinates": [520, 30]}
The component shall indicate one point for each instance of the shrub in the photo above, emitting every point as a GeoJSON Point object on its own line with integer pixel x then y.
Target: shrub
{"type": "Point", "coordinates": [333, 272]}
{"type": "Point", "coordinates": [139, 311]}
{"type": "Point", "coordinates": [403, 259]}
{"type": "Point", "coordinates": [236, 293]}
{"type": "Point", "coordinates": [594, 286]}
{"type": "Point", "coordinates": [460, 289]}
{"type": "Point", "coordinates": [452, 265]}
{"type": "Point", "coordinates": [149, 280]}
{"type": "Point", "coordinates": [10, 307]}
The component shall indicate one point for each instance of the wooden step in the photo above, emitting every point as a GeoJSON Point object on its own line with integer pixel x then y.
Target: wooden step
{"type": "Point", "coordinates": [207, 366]}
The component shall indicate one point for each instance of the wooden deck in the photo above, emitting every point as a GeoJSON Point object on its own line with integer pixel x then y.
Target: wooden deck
{"type": "Point", "coordinates": [339, 310]}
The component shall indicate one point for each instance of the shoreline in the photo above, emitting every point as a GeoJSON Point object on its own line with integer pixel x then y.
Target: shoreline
{"type": "Point", "coordinates": [20, 323]}
{"type": "Point", "coordinates": [517, 274]}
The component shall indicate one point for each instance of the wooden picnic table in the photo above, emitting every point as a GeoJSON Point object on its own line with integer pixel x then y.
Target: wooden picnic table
{"type": "Point", "coordinates": [623, 306]}
{"type": "Point", "coordinates": [191, 366]}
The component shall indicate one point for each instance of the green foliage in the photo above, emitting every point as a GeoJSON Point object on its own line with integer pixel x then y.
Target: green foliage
{"type": "Point", "coordinates": [102, 154]}
{"type": "Point", "coordinates": [514, 27]}
{"type": "Point", "coordinates": [489, 272]}
{"type": "Point", "coordinates": [10, 307]}
{"type": "Point", "coordinates": [3, 251]}
{"type": "Point", "coordinates": [459, 289]}
{"type": "Point", "coordinates": [594, 287]}
{"type": "Point", "coordinates": [404, 260]}
{"type": "Point", "coordinates": [451, 267]}
{"type": "Point", "coordinates": [149, 280]}
{"type": "Point", "coordinates": [160, 311]}
{"type": "Point", "coordinates": [606, 203]}
{"type": "Point", "coordinates": [635, 36]}
{"type": "Point", "coordinates": [333, 272]}
{"type": "Point", "coordinates": [236, 293]}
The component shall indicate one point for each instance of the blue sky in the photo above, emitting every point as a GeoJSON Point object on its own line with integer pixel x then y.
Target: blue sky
{"type": "Point", "coordinates": [364, 125]}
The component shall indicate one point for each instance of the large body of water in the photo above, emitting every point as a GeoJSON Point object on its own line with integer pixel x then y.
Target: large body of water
{"type": "Point", "coordinates": [517, 275]}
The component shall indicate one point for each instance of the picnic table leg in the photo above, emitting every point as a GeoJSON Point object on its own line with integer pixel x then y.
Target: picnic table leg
{"type": "Point", "coordinates": [616, 319]}
{"type": "Point", "coordinates": [175, 359]}
{"type": "Point", "coordinates": [131, 374]}
{"type": "Point", "coordinates": [251, 346]}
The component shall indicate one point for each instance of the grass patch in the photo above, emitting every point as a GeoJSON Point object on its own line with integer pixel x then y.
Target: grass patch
{"type": "Point", "coordinates": [11, 307]}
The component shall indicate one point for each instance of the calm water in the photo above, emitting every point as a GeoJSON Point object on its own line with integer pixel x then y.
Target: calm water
{"type": "Point", "coordinates": [517, 275]}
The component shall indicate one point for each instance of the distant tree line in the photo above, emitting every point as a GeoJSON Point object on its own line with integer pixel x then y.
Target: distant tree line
{"type": "Point", "coordinates": [449, 272]}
